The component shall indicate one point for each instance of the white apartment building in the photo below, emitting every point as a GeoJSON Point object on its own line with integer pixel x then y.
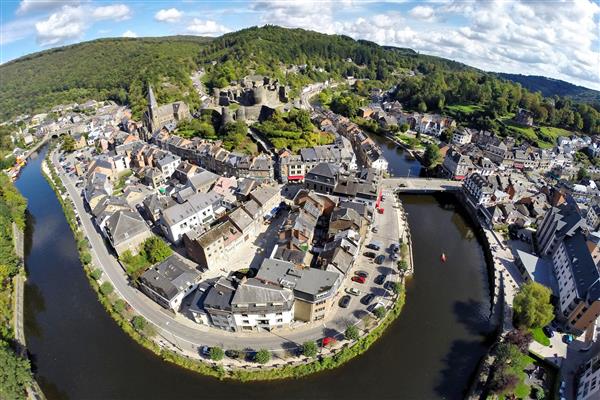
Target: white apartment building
{"type": "Point", "coordinates": [197, 210]}
{"type": "Point", "coordinates": [588, 387]}
{"type": "Point", "coordinates": [462, 137]}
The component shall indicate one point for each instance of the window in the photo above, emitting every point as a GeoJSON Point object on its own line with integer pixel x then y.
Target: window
{"type": "Point", "coordinates": [279, 319]}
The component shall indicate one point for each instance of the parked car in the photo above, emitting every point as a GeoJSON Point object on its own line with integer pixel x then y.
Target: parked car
{"type": "Point", "coordinates": [358, 279]}
{"type": "Point", "coordinates": [205, 351]}
{"type": "Point", "coordinates": [374, 245]}
{"type": "Point", "coordinates": [373, 307]}
{"type": "Point", "coordinates": [369, 254]}
{"type": "Point", "coordinates": [364, 274]}
{"type": "Point", "coordinates": [394, 247]}
{"type": "Point", "coordinates": [394, 257]}
{"type": "Point", "coordinates": [367, 299]}
{"type": "Point", "coordinates": [353, 291]}
{"type": "Point", "coordinates": [374, 229]}
{"type": "Point", "coordinates": [380, 259]}
{"type": "Point", "coordinates": [548, 331]}
{"type": "Point", "coordinates": [380, 279]}
{"type": "Point", "coordinates": [345, 301]}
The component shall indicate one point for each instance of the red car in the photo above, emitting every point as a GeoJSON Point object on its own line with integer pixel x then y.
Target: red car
{"type": "Point", "coordinates": [359, 279]}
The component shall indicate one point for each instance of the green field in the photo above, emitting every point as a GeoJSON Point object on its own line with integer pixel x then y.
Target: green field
{"type": "Point", "coordinates": [464, 108]}
{"type": "Point", "coordinates": [544, 137]}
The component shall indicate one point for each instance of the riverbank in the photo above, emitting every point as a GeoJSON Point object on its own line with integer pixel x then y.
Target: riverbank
{"type": "Point", "coordinates": [339, 353]}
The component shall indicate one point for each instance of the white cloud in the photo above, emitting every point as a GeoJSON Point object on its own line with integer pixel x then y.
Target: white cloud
{"type": "Point", "coordinates": [116, 12]}
{"type": "Point", "coordinates": [129, 34]}
{"type": "Point", "coordinates": [33, 6]}
{"type": "Point", "coordinates": [309, 14]}
{"type": "Point", "coordinates": [168, 15]}
{"type": "Point", "coordinates": [206, 28]}
{"type": "Point", "coordinates": [64, 25]}
{"type": "Point", "coordinates": [16, 30]}
{"type": "Point", "coordinates": [70, 23]}
{"type": "Point", "coordinates": [422, 12]}
{"type": "Point", "coordinates": [555, 39]}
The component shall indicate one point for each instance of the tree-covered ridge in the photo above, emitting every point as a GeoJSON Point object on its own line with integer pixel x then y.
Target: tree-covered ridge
{"type": "Point", "coordinates": [554, 87]}
{"type": "Point", "coordinates": [116, 69]}
{"type": "Point", "coordinates": [270, 50]}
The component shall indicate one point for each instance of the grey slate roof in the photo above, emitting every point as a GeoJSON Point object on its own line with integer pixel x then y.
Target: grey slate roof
{"type": "Point", "coordinates": [306, 283]}
{"type": "Point", "coordinates": [585, 272]}
{"type": "Point", "coordinates": [125, 224]}
{"type": "Point", "coordinates": [170, 277]}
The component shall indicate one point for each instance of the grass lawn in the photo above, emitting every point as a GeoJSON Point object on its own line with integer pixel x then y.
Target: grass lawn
{"type": "Point", "coordinates": [540, 337]}
{"type": "Point", "coordinates": [465, 108]}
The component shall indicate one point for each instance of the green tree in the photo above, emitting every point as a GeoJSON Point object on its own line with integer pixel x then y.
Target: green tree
{"type": "Point", "coordinates": [404, 127]}
{"type": "Point", "coordinates": [352, 333]}
{"type": "Point", "coordinates": [139, 323]}
{"type": "Point", "coordinates": [119, 306]}
{"type": "Point", "coordinates": [68, 144]}
{"type": "Point", "coordinates": [379, 312]}
{"type": "Point", "coordinates": [263, 356]}
{"type": "Point", "coordinates": [422, 107]}
{"type": "Point", "coordinates": [432, 156]}
{"type": "Point", "coordinates": [582, 173]}
{"type": "Point", "coordinates": [15, 373]}
{"type": "Point", "coordinates": [156, 250]}
{"type": "Point", "coordinates": [309, 349]}
{"type": "Point", "coordinates": [216, 353]}
{"type": "Point", "coordinates": [532, 306]}
{"type": "Point", "coordinates": [106, 288]}
{"type": "Point", "coordinates": [396, 287]}
{"type": "Point", "coordinates": [96, 273]}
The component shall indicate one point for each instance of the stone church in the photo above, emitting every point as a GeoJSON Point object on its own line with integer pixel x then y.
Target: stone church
{"type": "Point", "coordinates": [156, 117]}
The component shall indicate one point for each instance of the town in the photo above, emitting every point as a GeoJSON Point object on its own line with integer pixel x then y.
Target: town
{"type": "Point", "coordinates": [288, 240]}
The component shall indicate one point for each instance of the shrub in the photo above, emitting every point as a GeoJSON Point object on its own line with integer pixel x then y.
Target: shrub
{"type": "Point", "coordinates": [309, 349]}
{"type": "Point", "coordinates": [119, 306]}
{"type": "Point", "coordinates": [352, 333]}
{"type": "Point", "coordinates": [216, 353]}
{"type": "Point", "coordinates": [263, 356]}
{"type": "Point", "coordinates": [379, 312]}
{"type": "Point", "coordinates": [402, 265]}
{"type": "Point", "coordinates": [106, 288]}
{"type": "Point", "coordinates": [396, 287]}
{"type": "Point", "coordinates": [86, 257]}
{"type": "Point", "coordinates": [96, 273]}
{"type": "Point", "coordinates": [139, 323]}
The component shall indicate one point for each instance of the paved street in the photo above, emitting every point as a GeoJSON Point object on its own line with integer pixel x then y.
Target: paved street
{"type": "Point", "coordinates": [186, 334]}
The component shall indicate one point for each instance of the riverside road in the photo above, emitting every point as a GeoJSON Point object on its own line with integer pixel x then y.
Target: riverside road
{"type": "Point", "coordinates": [188, 336]}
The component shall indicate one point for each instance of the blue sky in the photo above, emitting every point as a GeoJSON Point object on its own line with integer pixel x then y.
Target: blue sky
{"type": "Point", "coordinates": [555, 38]}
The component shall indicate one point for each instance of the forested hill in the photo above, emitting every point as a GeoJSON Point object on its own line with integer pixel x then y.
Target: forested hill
{"type": "Point", "coordinates": [115, 69]}
{"type": "Point", "coordinates": [119, 69]}
{"type": "Point", "coordinates": [554, 87]}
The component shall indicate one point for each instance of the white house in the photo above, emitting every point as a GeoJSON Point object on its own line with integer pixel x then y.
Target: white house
{"type": "Point", "coordinates": [197, 210]}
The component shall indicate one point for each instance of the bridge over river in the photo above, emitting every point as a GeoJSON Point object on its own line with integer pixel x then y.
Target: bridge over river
{"type": "Point", "coordinates": [421, 185]}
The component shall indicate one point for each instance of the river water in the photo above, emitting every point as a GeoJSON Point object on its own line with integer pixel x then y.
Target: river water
{"type": "Point", "coordinates": [430, 352]}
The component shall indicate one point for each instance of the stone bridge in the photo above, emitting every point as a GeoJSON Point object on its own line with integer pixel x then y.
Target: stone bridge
{"type": "Point", "coordinates": [421, 185]}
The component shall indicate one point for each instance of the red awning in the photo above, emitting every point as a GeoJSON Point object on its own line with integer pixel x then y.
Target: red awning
{"type": "Point", "coordinates": [295, 177]}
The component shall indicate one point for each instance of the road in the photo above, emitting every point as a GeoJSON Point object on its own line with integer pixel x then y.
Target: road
{"type": "Point", "coordinates": [187, 335]}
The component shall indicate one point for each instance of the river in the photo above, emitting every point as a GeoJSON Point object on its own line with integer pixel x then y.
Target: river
{"type": "Point", "coordinates": [430, 352]}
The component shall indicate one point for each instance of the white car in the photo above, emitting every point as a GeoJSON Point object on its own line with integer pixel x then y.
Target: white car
{"type": "Point", "coordinates": [353, 291]}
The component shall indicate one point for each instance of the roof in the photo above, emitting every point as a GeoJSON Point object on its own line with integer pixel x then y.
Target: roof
{"type": "Point", "coordinates": [584, 270]}
{"type": "Point", "coordinates": [255, 292]}
{"type": "Point", "coordinates": [227, 231]}
{"type": "Point", "coordinates": [538, 269]}
{"type": "Point", "coordinates": [170, 277]}
{"type": "Point", "coordinates": [306, 283]}
{"type": "Point", "coordinates": [220, 294]}
{"type": "Point", "coordinates": [240, 218]}
{"type": "Point", "coordinates": [201, 179]}
{"type": "Point", "coordinates": [125, 224]}
{"type": "Point", "coordinates": [264, 194]}
{"type": "Point", "coordinates": [326, 170]}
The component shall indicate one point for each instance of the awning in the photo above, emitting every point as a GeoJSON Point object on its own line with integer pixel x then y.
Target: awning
{"type": "Point", "coordinates": [295, 177]}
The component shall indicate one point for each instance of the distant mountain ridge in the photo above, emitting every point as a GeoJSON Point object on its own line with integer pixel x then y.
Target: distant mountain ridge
{"type": "Point", "coordinates": [550, 87]}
